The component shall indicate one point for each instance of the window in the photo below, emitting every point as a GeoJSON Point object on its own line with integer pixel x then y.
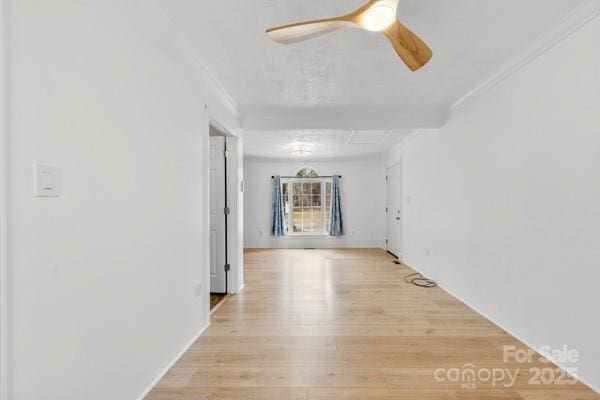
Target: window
{"type": "Point", "coordinates": [307, 203]}
{"type": "Point", "coordinates": [307, 172]}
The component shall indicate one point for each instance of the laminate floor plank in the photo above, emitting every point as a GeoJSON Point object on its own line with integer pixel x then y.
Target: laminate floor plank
{"type": "Point", "coordinates": [342, 324]}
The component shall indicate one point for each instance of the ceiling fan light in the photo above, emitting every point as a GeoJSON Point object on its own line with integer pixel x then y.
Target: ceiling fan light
{"type": "Point", "coordinates": [379, 17]}
{"type": "Point", "coordinates": [301, 151]}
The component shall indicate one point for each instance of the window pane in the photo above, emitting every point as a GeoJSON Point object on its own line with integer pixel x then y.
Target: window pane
{"type": "Point", "coordinates": [316, 188]}
{"type": "Point", "coordinates": [297, 188]}
{"type": "Point", "coordinates": [306, 200]}
{"type": "Point", "coordinates": [307, 173]}
{"type": "Point", "coordinates": [306, 188]}
{"type": "Point", "coordinates": [318, 224]}
{"type": "Point", "coordinates": [308, 221]}
{"type": "Point", "coordinates": [316, 200]}
{"type": "Point", "coordinates": [297, 217]}
{"type": "Point", "coordinates": [305, 219]}
{"type": "Point", "coordinates": [328, 187]}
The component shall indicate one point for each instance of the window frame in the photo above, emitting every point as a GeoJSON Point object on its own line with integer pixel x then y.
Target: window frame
{"type": "Point", "coordinates": [290, 218]}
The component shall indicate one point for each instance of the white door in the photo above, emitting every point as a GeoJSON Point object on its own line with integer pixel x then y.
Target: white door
{"type": "Point", "coordinates": [217, 214]}
{"type": "Point", "coordinates": [394, 210]}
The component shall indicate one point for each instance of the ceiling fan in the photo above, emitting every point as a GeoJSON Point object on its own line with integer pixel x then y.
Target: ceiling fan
{"type": "Point", "coordinates": [375, 16]}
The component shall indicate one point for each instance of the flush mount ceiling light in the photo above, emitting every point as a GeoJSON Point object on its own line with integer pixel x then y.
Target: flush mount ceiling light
{"type": "Point", "coordinates": [301, 150]}
{"type": "Point", "coordinates": [376, 16]}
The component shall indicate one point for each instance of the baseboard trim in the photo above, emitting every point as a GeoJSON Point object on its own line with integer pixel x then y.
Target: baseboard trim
{"type": "Point", "coordinates": [516, 336]}
{"type": "Point", "coordinates": [147, 391]}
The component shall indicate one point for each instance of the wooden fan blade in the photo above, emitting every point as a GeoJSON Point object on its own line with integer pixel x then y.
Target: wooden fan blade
{"type": "Point", "coordinates": [411, 49]}
{"type": "Point", "coordinates": [300, 31]}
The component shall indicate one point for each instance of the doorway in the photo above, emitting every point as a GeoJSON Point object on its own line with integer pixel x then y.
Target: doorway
{"type": "Point", "coordinates": [223, 261]}
{"type": "Point", "coordinates": [394, 210]}
{"type": "Point", "coordinates": [219, 211]}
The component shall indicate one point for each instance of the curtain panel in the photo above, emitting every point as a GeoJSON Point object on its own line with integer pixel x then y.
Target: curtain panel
{"type": "Point", "coordinates": [336, 227]}
{"type": "Point", "coordinates": [277, 203]}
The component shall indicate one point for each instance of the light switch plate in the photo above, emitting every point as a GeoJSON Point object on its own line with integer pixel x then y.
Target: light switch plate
{"type": "Point", "coordinates": [46, 181]}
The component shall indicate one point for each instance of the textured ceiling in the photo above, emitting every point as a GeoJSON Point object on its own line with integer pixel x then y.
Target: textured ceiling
{"type": "Point", "coordinates": [354, 68]}
{"type": "Point", "coordinates": [354, 72]}
{"type": "Point", "coordinates": [322, 143]}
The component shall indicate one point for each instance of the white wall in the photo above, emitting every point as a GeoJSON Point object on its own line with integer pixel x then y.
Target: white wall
{"type": "Point", "coordinates": [506, 197]}
{"type": "Point", "coordinates": [102, 280]}
{"type": "Point", "coordinates": [363, 203]}
{"type": "Point", "coordinates": [3, 209]}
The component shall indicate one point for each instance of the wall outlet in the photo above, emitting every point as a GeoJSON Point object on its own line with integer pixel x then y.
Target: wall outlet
{"type": "Point", "coordinates": [261, 232]}
{"type": "Point", "coordinates": [427, 252]}
{"type": "Point", "coordinates": [198, 290]}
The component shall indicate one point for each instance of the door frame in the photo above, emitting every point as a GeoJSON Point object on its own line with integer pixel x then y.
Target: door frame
{"type": "Point", "coordinates": [234, 187]}
{"type": "Point", "coordinates": [220, 211]}
{"type": "Point", "coordinates": [402, 210]}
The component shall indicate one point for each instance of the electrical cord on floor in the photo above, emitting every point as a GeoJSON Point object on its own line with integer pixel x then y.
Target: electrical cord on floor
{"type": "Point", "coordinates": [420, 281]}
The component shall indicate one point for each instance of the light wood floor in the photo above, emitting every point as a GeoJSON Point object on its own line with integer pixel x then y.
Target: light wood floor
{"type": "Point", "coordinates": [342, 324]}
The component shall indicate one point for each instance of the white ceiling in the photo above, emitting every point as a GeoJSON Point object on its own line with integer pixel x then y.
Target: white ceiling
{"type": "Point", "coordinates": [322, 143]}
{"type": "Point", "coordinates": [354, 71]}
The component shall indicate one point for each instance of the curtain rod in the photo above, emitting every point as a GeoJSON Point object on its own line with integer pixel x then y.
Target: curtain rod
{"type": "Point", "coordinates": [308, 177]}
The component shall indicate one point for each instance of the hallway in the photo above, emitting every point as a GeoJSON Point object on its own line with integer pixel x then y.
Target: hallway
{"type": "Point", "coordinates": [342, 324]}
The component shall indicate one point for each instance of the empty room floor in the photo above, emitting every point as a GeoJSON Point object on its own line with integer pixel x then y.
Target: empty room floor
{"type": "Point", "coordinates": [343, 324]}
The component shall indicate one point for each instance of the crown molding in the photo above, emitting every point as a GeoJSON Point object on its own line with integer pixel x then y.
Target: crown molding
{"type": "Point", "coordinates": [412, 136]}
{"type": "Point", "coordinates": [398, 146]}
{"type": "Point", "coordinates": [339, 119]}
{"type": "Point", "coordinates": [209, 78]}
{"type": "Point", "coordinates": [586, 12]}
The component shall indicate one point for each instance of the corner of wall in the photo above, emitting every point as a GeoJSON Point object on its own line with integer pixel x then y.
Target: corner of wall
{"type": "Point", "coordinates": [189, 344]}
{"type": "Point", "coordinates": [586, 12]}
{"type": "Point", "coordinates": [225, 108]}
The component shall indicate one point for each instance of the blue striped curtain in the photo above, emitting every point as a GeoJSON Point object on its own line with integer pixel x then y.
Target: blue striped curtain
{"type": "Point", "coordinates": [336, 227]}
{"type": "Point", "coordinates": [278, 220]}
